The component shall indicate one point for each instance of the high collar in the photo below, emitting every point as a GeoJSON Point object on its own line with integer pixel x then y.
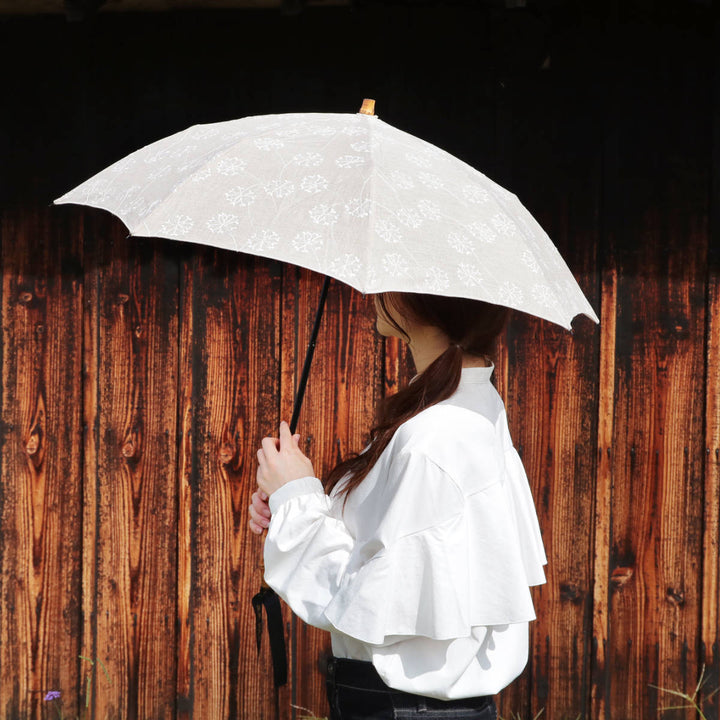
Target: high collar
{"type": "Point", "coordinates": [476, 375]}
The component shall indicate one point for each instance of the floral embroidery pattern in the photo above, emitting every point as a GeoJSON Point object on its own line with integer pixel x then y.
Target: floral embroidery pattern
{"type": "Point", "coordinates": [346, 195]}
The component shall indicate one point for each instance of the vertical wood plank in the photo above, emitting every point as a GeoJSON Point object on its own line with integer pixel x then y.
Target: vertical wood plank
{"type": "Point", "coordinates": [230, 369]}
{"type": "Point", "coordinates": [130, 581]}
{"type": "Point", "coordinates": [255, 302]}
{"type": "Point", "coordinates": [40, 461]}
{"type": "Point", "coordinates": [710, 622]}
{"type": "Point", "coordinates": [600, 670]}
{"type": "Point", "coordinates": [657, 218]}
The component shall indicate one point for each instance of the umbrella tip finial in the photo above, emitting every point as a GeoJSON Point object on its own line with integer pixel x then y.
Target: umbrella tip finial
{"type": "Point", "coordinates": [368, 107]}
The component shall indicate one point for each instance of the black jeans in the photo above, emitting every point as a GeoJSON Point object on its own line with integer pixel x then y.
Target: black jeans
{"type": "Point", "coordinates": [356, 692]}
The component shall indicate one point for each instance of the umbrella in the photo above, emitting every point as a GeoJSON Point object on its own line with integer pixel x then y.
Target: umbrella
{"type": "Point", "coordinates": [346, 195]}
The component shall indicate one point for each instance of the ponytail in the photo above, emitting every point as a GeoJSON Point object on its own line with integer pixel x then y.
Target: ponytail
{"type": "Point", "coordinates": [472, 326]}
{"type": "Point", "coordinates": [437, 383]}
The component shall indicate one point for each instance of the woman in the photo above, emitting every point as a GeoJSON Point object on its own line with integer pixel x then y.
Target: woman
{"type": "Point", "coordinates": [418, 553]}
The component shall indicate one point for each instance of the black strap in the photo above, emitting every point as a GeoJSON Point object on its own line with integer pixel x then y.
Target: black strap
{"type": "Point", "coordinates": [276, 634]}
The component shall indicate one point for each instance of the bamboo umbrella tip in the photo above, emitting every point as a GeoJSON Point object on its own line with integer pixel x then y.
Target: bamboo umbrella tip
{"type": "Point", "coordinates": [368, 107]}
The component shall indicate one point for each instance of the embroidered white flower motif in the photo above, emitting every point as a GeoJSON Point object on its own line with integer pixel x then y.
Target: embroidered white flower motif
{"type": "Point", "coordinates": [279, 188]}
{"type": "Point", "coordinates": [461, 243]}
{"type": "Point", "coordinates": [401, 180]}
{"type": "Point", "coordinates": [349, 161]}
{"type": "Point", "coordinates": [528, 231]}
{"type": "Point", "coordinates": [358, 208]}
{"type": "Point", "coordinates": [96, 190]}
{"type": "Point", "coordinates": [422, 160]}
{"type": "Point", "coordinates": [409, 217]}
{"type": "Point", "coordinates": [324, 215]}
{"type": "Point", "coordinates": [178, 226]}
{"type": "Point", "coordinates": [129, 198]}
{"type": "Point", "coordinates": [268, 143]}
{"type": "Point", "coordinates": [352, 130]}
{"type": "Point", "coordinates": [429, 209]}
{"type": "Point", "coordinates": [543, 295]}
{"type": "Point", "coordinates": [436, 280]}
{"type": "Point", "coordinates": [363, 146]}
{"type": "Point", "coordinates": [388, 231]}
{"type": "Point", "coordinates": [372, 281]}
{"type": "Point", "coordinates": [307, 241]}
{"type": "Point", "coordinates": [158, 155]}
{"type": "Point", "coordinates": [395, 264]}
{"type": "Point", "coordinates": [346, 266]}
{"type": "Point", "coordinates": [262, 241]}
{"type": "Point", "coordinates": [240, 196]}
{"type": "Point", "coordinates": [231, 166]}
{"type": "Point", "coordinates": [529, 261]}
{"type": "Point", "coordinates": [223, 223]}
{"type": "Point", "coordinates": [475, 195]}
{"type": "Point", "coordinates": [289, 132]}
{"type": "Point", "coordinates": [314, 184]}
{"type": "Point", "coordinates": [142, 206]}
{"type": "Point", "coordinates": [201, 175]}
{"type": "Point", "coordinates": [307, 159]}
{"type": "Point", "coordinates": [503, 224]}
{"type": "Point", "coordinates": [502, 195]}
{"type": "Point", "coordinates": [469, 275]}
{"type": "Point", "coordinates": [434, 182]}
{"type": "Point", "coordinates": [482, 232]}
{"type": "Point", "coordinates": [323, 130]}
{"type": "Point", "coordinates": [510, 294]}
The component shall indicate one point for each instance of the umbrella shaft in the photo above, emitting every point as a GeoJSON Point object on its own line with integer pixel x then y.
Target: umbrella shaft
{"type": "Point", "coordinates": [309, 356]}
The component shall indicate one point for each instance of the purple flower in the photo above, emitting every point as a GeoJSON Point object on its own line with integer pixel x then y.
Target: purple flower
{"type": "Point", "coordinates": [52, 695]}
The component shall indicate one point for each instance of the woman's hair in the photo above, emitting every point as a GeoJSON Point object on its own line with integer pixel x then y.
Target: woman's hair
{"type": "Point", "coordinates": [472, 327]}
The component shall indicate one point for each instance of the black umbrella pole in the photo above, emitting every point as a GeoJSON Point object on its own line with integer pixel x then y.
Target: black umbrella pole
{"type": "Point", "coordinates": [309, 356]}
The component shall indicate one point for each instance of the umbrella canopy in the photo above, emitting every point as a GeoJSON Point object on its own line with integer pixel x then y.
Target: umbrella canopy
{"type": "Point", "coordinates": [346, 195]}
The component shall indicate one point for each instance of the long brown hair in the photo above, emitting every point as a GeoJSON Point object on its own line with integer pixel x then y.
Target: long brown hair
{"type": "Point", "coordinates": [471, 326]}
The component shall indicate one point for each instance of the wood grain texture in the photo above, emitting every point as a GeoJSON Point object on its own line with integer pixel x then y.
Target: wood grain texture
{"type": "Point", "coordinates": [600, 671]}
{"type": "Point", "coordinates": [130, 589]}
{"type": "Point", "coordinates": [229, 389]}
{"type": "Point", "coordinates": [710, 622]}
{"type": "Point", "coordinates": [655, 216]}
{"type": "Point", "coordinates": [40, 461]}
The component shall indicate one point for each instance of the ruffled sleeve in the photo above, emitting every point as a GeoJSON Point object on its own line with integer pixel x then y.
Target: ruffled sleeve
{"type": "Point", "coordinates": [426, 554]}
{"type": "Point", "coordinates": [473, 569]}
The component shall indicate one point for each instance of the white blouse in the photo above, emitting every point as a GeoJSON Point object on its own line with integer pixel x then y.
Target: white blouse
{"type": "Point", "coordinates": [426, 571]}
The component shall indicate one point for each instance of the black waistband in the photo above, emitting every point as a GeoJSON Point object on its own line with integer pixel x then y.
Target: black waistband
{"type": "Point", "coordinates": [363, 675]}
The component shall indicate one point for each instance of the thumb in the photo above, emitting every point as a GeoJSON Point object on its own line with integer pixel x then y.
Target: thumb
{"type": "Point", "coordinates": [296, 438]}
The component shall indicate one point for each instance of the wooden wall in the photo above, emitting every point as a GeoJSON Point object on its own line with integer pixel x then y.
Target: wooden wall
{"type": "Point", "coordinates": [139, 375]}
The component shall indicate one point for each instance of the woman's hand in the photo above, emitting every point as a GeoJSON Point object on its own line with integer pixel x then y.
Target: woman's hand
{"type": "Point", "coordinates": [259, 512]}
{"type": "Point", "coordinates": [281, 461]}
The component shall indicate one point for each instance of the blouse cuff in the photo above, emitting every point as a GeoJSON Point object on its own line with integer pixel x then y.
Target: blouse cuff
{"type": "Point", "coordinates": [301, 486]}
